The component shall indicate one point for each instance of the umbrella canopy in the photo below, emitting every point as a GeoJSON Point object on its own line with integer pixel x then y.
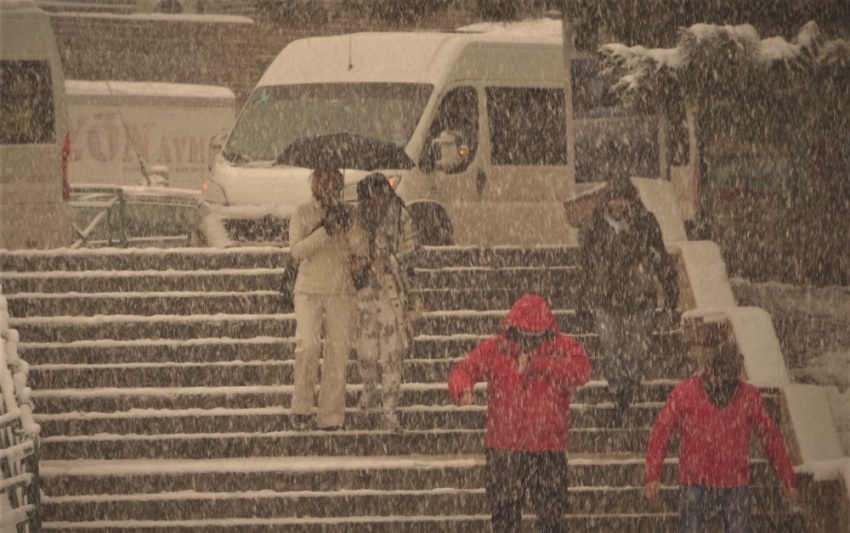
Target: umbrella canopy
{"type": "Point", "coordinates": [581, 206]}
{"type": "Point", "coordinates": [344, 150]}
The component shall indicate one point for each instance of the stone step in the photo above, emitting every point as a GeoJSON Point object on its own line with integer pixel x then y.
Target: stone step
{"type": "Point", "coordinates": [441, 347]}
{"type": "Point", "coordinates": [143, 281]}
{"type": "Point", "coordinates": [267, 257]}
{"type": "Point", "coordinates": [54, 304]}
{"type": "Point", "coordinates": [269, 419]}
{"type": "Point", "coordinates": [131, 259]}
{"type": "Point", "coordinates": [216, 349]}
{"type": "Point", "coordinates": [88, 477]}
{"type": "Point", "coordinates": [271, 372]}
{"type": "Point", "coordinates": [129, 327]}
{"type": "Point", "coordinates": [529, 279]}
{"type": "Point", "coordinates": [644, 523]}
{"type": "Point", "coordinates": [320, 443]}
{"type": "Point", "coordinates": [499, 257]}
{"type": "Point", "coordinates": [473, 322]}
{"type": "Point", "coordinates": [254, 397]}
{"type": "Point", "coordinates": [146, 304]}
{"type": "Point", "coordinates": [484, 299]}
{"type": "Point", "coordinates": [583, 501]}
{"type": "Point", "coordinates": [313, 443]}
{"type": "Point", "coordinates": [66, 329]}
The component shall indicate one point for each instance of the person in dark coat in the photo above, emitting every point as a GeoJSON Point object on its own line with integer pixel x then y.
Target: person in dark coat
{"type": "Point", "coordinates": [530, 368]}
{"type": "Point", "coordinates": [716, 414]}
{"type": "Point", "coordinates": [624, 261]}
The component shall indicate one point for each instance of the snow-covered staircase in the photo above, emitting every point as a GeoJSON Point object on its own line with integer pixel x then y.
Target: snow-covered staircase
{"type": "Point", "coordinates": [162, 382]}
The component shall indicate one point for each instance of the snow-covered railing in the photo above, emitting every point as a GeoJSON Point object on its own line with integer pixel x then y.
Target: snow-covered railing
{"type": "Point", "coordinates": [132, 216]}
{"type": "Point", "coordinates": [18, 438]}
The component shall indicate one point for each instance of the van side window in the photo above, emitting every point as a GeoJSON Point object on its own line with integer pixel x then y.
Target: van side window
{"type": "Point", "coordinates": [527, 126]}
{"type": "Point", "coordinates": [26, 103]}
{"type": "Point", "coordinates": [610, 139]}
{"type": "Point", "coordinates": [458, 111]}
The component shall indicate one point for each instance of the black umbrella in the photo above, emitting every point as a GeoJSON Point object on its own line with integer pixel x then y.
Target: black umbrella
{"type": "Point", "coordinates": [344, 150]}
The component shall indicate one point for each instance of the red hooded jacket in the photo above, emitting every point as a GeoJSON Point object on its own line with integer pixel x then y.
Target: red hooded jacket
{"type": "Point", "coordinates": [530, 411]}
{"type": "Point", "coordinates": [714, 443]}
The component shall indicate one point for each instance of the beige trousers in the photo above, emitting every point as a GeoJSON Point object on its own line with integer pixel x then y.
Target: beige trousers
{"type": "Point", "coordinates": [336, 316]}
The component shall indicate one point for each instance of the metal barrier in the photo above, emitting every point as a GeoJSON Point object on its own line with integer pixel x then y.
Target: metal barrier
{"type": "Point", "coordinates": [19, 438]}
{"type": "Point", "coordinates": [114, 216]}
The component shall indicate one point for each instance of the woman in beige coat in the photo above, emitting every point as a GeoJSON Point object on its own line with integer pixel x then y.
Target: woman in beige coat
{"type": "Point", "coordinates": [323, 240]}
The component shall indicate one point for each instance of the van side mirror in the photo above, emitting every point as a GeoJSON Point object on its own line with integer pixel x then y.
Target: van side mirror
{"type": "Point", "coordinates": [449, 151]}
{"type": "Point", "coordinates": [216, 144]}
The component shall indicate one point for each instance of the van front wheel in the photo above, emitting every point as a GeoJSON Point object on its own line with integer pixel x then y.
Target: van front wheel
{"type": "Point", "coordinates": [432, 225]}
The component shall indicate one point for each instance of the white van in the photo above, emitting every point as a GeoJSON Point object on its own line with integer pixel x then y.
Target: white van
{"type": "Point", "coordinates": [34, 142]}
{"type": "Point", "coordinates": [470, 127]}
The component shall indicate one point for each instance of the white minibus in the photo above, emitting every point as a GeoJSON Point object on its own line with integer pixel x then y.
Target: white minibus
{"type": "Point", "coordinates": [469, 127]}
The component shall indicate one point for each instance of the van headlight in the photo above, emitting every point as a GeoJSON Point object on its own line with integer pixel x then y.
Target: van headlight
{"type": "Point", "coordinates": [213, 193]}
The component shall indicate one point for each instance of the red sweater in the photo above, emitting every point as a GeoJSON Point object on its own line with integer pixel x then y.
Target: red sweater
{"type": "Point", "coordinates": [714, 443]}
{"type": "Point", "coordinates": [525, 412]}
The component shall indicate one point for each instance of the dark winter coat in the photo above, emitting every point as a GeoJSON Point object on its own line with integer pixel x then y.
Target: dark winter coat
{"type": "Point", "coordinates": [714, 442]}
{"type": "Point", "coordinates": [530, 411]}
{"type": "Point", "coordinates": [623, 271]}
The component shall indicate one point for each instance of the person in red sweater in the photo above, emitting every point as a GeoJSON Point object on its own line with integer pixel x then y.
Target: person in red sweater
{"type": "Point", "coordinates": [530, 368]}
{"type": "Point", "coordinates": [716, 414]}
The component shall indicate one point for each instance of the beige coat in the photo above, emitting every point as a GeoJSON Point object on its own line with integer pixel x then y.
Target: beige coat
{"type": "Point", "coordinates": [324, 260]}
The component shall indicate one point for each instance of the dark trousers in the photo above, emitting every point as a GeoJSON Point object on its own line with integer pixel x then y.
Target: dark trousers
{"type": "Point", "coordinates": [512, 474]}
{"type": "Point", "coordinates": [698, 503]}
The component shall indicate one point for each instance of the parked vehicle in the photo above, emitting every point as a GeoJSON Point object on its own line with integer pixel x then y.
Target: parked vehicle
{"type": "Point", "coordinates": [34, 142]}
{"type": "Point", "coordinates": [470, 127]}
{"type": "Point", "coordinates": [168, 125]}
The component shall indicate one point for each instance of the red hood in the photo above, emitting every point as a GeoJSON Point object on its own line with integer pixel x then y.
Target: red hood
{"type": "Point", "coordinates": [531, 313]}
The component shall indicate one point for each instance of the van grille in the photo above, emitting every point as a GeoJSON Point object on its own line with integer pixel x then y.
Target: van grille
{"type": "Point", "coordinates": [266, 230]}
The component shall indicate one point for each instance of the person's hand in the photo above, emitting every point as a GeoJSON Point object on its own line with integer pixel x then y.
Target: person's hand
{"type": "Point", "coordinates": [337, 220]}
{"type": "Point", "coordinates": [359, 264]}
{"type": "Point", "coordinates": [790, 495]}
{"type": "Point", "coordinates": [651, 490]}
{"type": "Point", "coordinates": [522, 362]}
{"type": "Point", "coordinates": [465, 398]}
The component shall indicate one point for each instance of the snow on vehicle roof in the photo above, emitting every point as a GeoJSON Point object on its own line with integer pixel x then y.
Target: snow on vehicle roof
{"type": "Point", "coordinates": [527, 28]}
{"type": "Point", "coordinates": [402, 57]}
{"type": "Point", "coordinates": [147, 89]}
{"type": "Point", "coordinates": [165, 17]}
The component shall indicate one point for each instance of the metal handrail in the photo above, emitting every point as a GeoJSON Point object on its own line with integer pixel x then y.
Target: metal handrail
{"type": "Point", "coordinates": [113, 202]}
{"type": "Point", "coordinates": [19, 436]}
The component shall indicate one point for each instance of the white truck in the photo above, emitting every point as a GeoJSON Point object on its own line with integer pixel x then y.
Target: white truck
{"type": "Point", "coordinates": [168, 125]}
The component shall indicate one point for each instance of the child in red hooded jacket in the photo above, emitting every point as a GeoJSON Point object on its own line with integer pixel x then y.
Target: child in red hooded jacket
{"type": "Point", "coordinates": [716, 413]}
{"type": "Point", "coordinates": [530, 368]}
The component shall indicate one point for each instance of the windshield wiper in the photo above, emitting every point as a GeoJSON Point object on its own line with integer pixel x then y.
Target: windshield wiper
{"type": "Point", "coordinates": [236, 158]}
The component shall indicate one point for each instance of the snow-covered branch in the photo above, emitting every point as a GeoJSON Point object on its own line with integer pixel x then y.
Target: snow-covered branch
{"type": "Point", "coordinates": [710, 55]}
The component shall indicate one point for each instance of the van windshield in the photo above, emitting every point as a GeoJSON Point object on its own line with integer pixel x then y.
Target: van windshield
{"type": "Point", "coordinates": [277, 115]}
